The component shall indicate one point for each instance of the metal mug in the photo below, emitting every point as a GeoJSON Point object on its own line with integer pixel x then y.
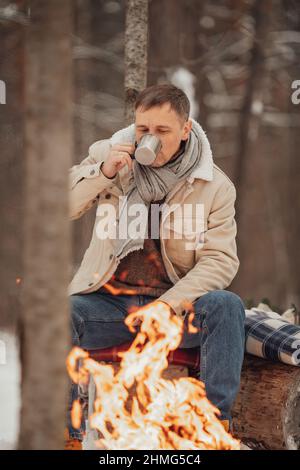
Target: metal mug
{"type": "Point", "coordinates": [147, 149]}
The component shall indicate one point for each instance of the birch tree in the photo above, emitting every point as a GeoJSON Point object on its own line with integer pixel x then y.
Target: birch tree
{"type": "Point", "coordinates": [136, 40]}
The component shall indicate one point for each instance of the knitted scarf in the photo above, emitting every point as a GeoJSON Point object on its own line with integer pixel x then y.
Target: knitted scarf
{"type": "Point", "coordinates": [151, 184]}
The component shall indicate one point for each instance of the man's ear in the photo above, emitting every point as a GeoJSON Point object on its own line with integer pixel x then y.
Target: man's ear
{"type": "Point", "coordinates": [187, 129]}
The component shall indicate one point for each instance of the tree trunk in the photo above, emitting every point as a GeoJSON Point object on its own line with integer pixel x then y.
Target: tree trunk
{"type": "Point", "coordinates": [85, 130]}
{"type": "Point", "coordinates": [12, 165]}
{"type": "Point", "coordinates": [98, 68]}
{"type": "Point", "coordinates": [45, 338]}
{"type": "Point", "coordinates": [136, 43]}
{"type": "Point", "coordinates": [267, 410]}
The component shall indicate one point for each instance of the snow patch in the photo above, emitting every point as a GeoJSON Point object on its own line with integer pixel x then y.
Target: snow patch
{"type": "Point", "coordinates": [184, 79]}
{"type": "Point", "coordinates": [10, 375]}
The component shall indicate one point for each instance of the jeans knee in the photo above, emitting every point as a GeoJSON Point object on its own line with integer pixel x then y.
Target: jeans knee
{"type": "Point", "coordinates": [231, 300]}
{"type": "Point", "coordinates": [226, 302]}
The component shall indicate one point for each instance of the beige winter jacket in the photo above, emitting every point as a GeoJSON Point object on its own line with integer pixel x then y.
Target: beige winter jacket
{"type": "Point", "coordinates": [211, 264]}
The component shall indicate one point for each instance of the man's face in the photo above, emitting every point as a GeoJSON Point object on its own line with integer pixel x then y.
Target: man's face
{"type": "Point", "coordinates": [165, 123]}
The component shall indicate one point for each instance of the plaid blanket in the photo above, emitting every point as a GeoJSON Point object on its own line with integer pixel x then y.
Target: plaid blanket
{"type": "Point", "coordinates": [269, 336]}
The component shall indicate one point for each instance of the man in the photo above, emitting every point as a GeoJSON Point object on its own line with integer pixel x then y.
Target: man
{"type": "Point", "coordinates": [190, 268]}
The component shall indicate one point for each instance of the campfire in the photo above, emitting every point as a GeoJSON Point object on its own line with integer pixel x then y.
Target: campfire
{"type": "Point", "coordinates": [135, 407]}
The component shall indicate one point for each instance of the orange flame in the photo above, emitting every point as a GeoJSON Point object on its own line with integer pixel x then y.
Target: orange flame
{"type": "Point", "coordinates": [136, 408]}
{"type": "Point", "coordinates": [76, 414]}
{"type": "Point", "coordinates": [117, 291]}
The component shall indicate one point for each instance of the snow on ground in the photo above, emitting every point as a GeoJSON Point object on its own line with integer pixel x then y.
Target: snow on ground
{"type": "Point", "coordinates": [9, 391]}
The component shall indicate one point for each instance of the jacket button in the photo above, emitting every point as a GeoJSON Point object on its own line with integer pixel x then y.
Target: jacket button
{"type": "Point", "coordinates": [111, 256]}
{"type": "Point", "coordinates": [107, 196]}
{"type": "Point", "coordinates": [92, 172]}
{"type": "Point", "coordinates": [91, 283]}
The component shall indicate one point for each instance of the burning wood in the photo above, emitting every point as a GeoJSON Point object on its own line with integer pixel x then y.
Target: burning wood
{"type": "Point", "coordinates": [160, 414]}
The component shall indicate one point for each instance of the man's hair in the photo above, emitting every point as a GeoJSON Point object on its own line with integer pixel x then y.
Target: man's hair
{"type": "Point", "coordinates": [157, 95]}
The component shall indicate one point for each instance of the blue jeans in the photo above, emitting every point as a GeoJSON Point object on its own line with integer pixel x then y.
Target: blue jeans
{"type": "Point", "coordinates": [98, 322]}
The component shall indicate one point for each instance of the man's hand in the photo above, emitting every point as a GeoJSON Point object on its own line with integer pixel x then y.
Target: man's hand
{"type": "Point", "coordinates": [118, 157]}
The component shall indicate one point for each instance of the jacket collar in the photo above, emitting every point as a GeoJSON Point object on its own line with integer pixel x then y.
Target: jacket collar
{"type": "Point", "coordinates": [205, 168]}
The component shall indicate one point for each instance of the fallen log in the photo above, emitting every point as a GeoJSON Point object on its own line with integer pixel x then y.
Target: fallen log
{"type": "Point", "coordinates": [267, 409]}
{"type": "Point", "coordinates": [266, 412]}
